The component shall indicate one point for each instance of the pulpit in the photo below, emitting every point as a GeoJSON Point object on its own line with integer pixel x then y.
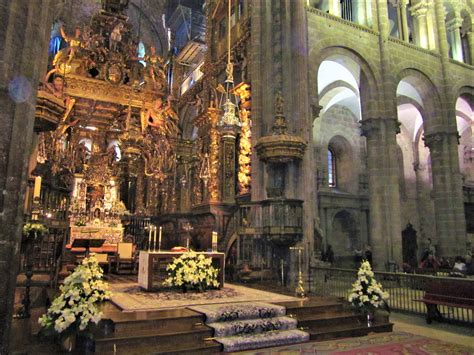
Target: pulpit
{"type": "Point", "coordinates": [152, 263]}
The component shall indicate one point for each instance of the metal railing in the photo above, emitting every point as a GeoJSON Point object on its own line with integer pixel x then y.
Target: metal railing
{"type": "Point", "coordinates": [270, 216]}
{"type": "Point", "coordinates": [403, 289]}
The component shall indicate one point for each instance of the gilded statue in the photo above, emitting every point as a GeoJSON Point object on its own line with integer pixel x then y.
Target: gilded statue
{"type": "Point", "coordinates": [161, 117]}
{"type": "Point", "coordinates": [75, 44]}
{"type": "Point", "coordinates": [157, 67]}
{"type": "Point", "coordinates": [116, 36]}
{"type": "Point", "coordinates": [56, 87]}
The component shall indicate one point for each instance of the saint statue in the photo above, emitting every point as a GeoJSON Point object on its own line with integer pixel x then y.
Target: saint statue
{"type": "Point", "coordinates": [157, 67]}
{"type": "Point", "coordinates": [75, 44]}
{"type": "Point", "coordinates": [161, 117]}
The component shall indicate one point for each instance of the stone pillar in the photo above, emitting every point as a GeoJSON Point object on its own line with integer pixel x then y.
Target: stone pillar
{"type": "Point", "coordinates": [447, 189]}
{"type": "Point", "coordinates": [454, 32]}
{"type": "Point", "coordinates": [384, 196]}
{"type": "Point", "coordinates": [335, 7]}
{"type": "Point", "coordinates": [402, 13]}
{"type": "Point", "coordinates": [470, 42]}
{"type": "Point", "coordinates": [419, 13]}
{"type": "Point", "coordinates": [360, 9]}
{"type": "Point", "coordinates": [24, 40]}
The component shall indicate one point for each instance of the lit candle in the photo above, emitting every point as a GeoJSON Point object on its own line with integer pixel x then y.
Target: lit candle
{"type": "Point", "coordinates": [159, 238]}
{"type": "Point", "coordinates": [214, 238]}
{"type": "Point", "coordinates": [149, 236]}
{"type": "Point", "coordinates": [37, 189]}
{"type": "Point", "coordinates": [154, 238]}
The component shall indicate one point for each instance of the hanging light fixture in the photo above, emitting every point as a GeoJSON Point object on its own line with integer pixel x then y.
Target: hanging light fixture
{"type": "Point", "coordinates": [230, 117]}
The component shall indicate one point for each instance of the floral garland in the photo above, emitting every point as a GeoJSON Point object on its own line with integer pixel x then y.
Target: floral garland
{"type": "Point", "coordinates": [367, 292]}
{"type": "Point", "coordinates": [76, 306]}
{"type": "Point", "coordinates": [192, 271]}
{"type": "Point", "coordinates": [37, 229]}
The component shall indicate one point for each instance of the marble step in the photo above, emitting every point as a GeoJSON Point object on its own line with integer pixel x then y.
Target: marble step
{"type": "Point", "coordinates": [263, 340]}
{"type": "Point", "coordinates": [297, 310]}
{"type": "Point", "coordinates": [203, 347]}
{"type": "Point", "coordinates": [313, 321]}
{"type": "Point", "coordinates": [347, 330]}
{"type": "Point", "coordinates": [160, 322]}
{"type": "Point", "coordinates": [240, 327]}
{"type": "Point", "coordinates": [152, 338]}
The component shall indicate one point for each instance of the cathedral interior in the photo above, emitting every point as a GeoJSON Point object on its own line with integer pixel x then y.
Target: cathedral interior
{"type": "Point", "coordinates": [290, 135]}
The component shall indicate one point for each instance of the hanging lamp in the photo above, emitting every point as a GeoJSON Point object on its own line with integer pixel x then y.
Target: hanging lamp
{"type": "Point", "coordinates": [230, 117]}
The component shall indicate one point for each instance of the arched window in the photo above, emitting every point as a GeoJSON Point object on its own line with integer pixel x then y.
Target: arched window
{"type": "Point", "coordinates": [332, 171]}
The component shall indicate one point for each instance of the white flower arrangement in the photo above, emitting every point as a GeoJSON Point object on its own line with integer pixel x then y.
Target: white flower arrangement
{"type": "Point", "coordinates": [193, 271]}
{"type": "Point", "coordinates": [76, 306]}
{"type": "Point", "coordinates": [367, 292]}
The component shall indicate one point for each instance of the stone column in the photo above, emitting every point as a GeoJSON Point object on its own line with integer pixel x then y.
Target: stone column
{"type": "Point", "coordinates": [447, 189]}
{"type": "Point", "coordinates": [454, 32]}
{"type": "Point", "coordinates": [335, 7]}
{"type": "Point", "coordinates": [384, 196]}
{"type": "Point", "coordinates": [470, 41]}
{"type": "Point", "coordinates": [402, 13]}
{"type": "Point", "coordinates": [24, 40]}
{"type": "Point", "coordinates": [360, 10]}
{"type": "Point", "coordinates": [419, 13]}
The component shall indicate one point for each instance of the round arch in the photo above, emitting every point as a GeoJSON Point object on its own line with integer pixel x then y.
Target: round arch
{"type": "Point", "coordinates": [429, 93]}
{"type": "Point", "coordinates": [368, 88]}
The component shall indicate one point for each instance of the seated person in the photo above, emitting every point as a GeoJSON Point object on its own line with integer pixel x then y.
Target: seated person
{"type": "Point", "coordinates": [459, 265]}
{"type": "Point", "coordinates": [429, 263]}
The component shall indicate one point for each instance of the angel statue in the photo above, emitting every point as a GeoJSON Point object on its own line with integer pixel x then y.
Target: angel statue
{"type": "Point", "coordinates": [161, 117]}
{"type": "Point", "coordinates": [116, 36]}
{"type": "Point", "coordinates": [156, 66]}
{"type": "Point", "coordinates": [75, 44]}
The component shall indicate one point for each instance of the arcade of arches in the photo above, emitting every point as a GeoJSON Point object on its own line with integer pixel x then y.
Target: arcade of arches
{"type": "Point", "coordinates": [354, 123]}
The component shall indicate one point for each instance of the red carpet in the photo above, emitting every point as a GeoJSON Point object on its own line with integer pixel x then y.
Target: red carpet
{"type": "Point", "coordinates": [374, 344]}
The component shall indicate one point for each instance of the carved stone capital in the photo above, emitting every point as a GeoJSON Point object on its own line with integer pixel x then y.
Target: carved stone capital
{"type": "Point", "coordinates": [420, 9]}
{"type": "Point", "coordinates": [435, 141]}
{"type": "Point", "coordinates": [370, 126]}
{"type": "Point", "coordinates": [454, 24]}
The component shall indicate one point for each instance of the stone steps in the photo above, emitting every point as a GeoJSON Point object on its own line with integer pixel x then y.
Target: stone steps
{"type": "Point", "coordinates": [151, 338]}
{"type": "Point", "coordinates": [315, 321]}
{"type": "Point", "coordinates": [347, 330]}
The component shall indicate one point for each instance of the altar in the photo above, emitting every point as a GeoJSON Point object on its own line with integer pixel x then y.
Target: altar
{"type": "Point", "coordinates": [112, 235]}
{"type": "Point", "coordinates": [151, 264]}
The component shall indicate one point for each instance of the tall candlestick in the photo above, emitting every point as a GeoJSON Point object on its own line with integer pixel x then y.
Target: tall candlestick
{"type": "Point", "coordinates": [159, 239]}
{"type": "Point", "coordinates": [37, 189]}
{"type": "Point", "coordinates": [154, 238]}
{"type": "Point", "coordinates": [187, 244]}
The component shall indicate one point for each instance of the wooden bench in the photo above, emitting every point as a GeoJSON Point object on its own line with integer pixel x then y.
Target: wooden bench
{"type": "Point", "coordinates": [452, 293]}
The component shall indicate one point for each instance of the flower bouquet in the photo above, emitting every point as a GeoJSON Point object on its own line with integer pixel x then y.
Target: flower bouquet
{"type": "Point", "coordinates": [34, 230]}
{"type": "Point", "coordinates": [76, 307]}
{"type": "Point", "coordinates": [192, 271]}
{"type": "Point", "coordinates": [367, 293]}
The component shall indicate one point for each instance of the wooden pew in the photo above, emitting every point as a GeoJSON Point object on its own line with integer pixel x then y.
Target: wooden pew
{"type": "Point", "coordinates": [452, 293]}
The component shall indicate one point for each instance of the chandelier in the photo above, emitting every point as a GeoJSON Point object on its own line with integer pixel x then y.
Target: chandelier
{"type": "Point", "coordinates": [230, 117]}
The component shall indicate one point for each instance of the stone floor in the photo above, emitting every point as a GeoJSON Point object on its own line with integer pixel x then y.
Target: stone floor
{"type": "Point", "coordinates": [462, 335]}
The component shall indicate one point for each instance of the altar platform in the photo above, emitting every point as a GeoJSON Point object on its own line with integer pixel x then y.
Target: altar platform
{"type": "Point", "coordinates": [161, 323]}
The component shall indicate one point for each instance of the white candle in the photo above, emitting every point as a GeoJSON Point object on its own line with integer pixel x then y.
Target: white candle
{"type": "Point", "coordinates": [214, 238]}
{"type": "Point", "coordinates": [37, 189]}
{"type": "Point", "coordinates": [149, 236]}
{"type": "Point", "coordinates": [154, 237]}
{"type": "Point", "coordinates": [159, 238]}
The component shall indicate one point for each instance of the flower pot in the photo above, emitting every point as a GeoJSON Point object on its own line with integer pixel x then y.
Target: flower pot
{"type": "Point", "coordinates": [85, 343]}
{"type": "Point", "coordinates": [370, 314]}
{"type": "Point", "coordinates": [68, 342]}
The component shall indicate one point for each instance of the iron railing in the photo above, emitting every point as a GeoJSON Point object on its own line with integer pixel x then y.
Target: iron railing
{"type": "Point", "coordinates": [404, 289]}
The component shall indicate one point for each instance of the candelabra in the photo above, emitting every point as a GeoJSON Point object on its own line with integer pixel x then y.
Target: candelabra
{"type": "Point", "coordinates": [299, 291]}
